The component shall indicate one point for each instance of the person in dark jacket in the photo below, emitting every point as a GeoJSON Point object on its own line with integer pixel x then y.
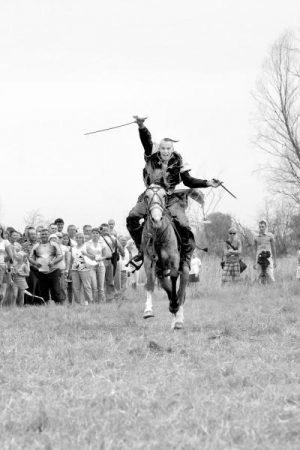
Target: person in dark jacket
{"type": "Point", "coordinates": [167, 169]}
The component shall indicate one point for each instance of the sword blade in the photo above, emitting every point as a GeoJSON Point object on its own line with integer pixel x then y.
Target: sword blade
{"type": "Point", "coordinates": [111, 128]}
{"type": "Point", "coordinates": [227, 190]}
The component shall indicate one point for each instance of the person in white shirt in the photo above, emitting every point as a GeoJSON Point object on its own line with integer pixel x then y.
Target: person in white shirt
{"type": "Point", "coordinates": [81, 273]}
{"type": "Point", "coordinates": [194, 273]}
{"type": "Point", "coordinates": [133, 251]}
{"type": "Point", "coordinates": [110, 261]}
{"type": "Point", "coordinates": [123, 261]}
{"type": "Point", "coordinates": [19, 274]}
{"type": "Point", "coordinates": [95, 249]}
{"type": "Point", "coordinates": [72, 230]}
{"type": "Point", "coordinates": [5, 249]}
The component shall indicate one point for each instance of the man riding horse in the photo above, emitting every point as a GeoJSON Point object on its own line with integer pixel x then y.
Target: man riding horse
{"type": "Point", "coordinates": [167, 169]}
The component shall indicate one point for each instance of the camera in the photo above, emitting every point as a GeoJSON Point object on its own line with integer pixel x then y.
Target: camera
{"type": "Point", "coordinates": [263, 259]}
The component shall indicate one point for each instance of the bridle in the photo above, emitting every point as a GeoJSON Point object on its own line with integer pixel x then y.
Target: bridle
{"type": "Point", "coordinates": [156, 236]}
{"type": "Point", "coordinates": [157, 200]}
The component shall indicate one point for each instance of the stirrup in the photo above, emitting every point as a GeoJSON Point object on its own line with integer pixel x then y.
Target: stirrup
{"type": "Point", "coordinates": [133, 262]}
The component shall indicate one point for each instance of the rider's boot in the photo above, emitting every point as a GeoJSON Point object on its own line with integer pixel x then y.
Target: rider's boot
{"type": "Point", "coordinates": [135, 229]}
{"type": "Point", "coordinates": [187, 247]}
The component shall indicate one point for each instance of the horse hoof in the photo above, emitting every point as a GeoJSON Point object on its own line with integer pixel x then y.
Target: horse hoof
{"type": "Point", "coordinates": [178, 326]}
{"type": "Point", "coordinates": [148, 314]}
{"type": "Point", "coordinates": [173, 310]}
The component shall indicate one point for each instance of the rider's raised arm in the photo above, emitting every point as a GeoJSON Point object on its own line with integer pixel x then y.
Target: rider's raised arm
{"type": "Point", "coordinates": [192, 182]}
{"type": "Point", "coordinates": [145, 136]}
{"type": "Point", "coordinates": [146, 141]}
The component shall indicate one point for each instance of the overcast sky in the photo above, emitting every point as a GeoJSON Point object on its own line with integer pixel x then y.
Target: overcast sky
{"type": "Point", "coordinates": [73, 66]}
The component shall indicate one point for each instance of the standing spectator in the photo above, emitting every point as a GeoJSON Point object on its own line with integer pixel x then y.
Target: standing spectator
{"type": "Point", "coordinates": [60, 224]}
{"type": "Point", "coordinates": [19, 273]}
{"type": "Point", "coordinates": [111, 260]}
{"type": "Point", "coordinates": [24, 238]}
{"type": "Point", "coordinates": [38, 230]}
{"type": "Point", "coordinates": [265, 241]}
{"type": "Point", "coordinates": [232, 250]}
{"type": "Point", "coordinates": [32, 278]}
{"type": "Point", "coordinates": [72, 230]}
{"type": "Point", "coordinates": [194, 274]}
{"type": "Point", "coordinates": [63, 265]}
{"type": "Point", "coordinates": [95, 249]}
{"type": "Point", "coordinates": [14, 238]}
{"type": "Point", "coordinates": [66, 241]}
{"type": "Point", "coordinates": [45, 256]}
{"type": "Point", "coordinates": [81, 274]}
{"type": "Point", "coordinates": [53, 229]}
{"type": "Point", "coordinates": [123, 261]}
{"type": "Point", "coordinates": [87, 230]}
{"type": "Point", "coordinates": [30, 241]}
{"type": "Point", "coordinates": [5, 249]}
{"type": "Point", "coordinates": [133, 251]}
{"type": "Point", "coordinates": [111, 226]}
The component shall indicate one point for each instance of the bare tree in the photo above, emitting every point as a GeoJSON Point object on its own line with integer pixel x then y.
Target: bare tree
{"type": "Point", "coordinates": [34, 218]}
{"type": "Point", "coordinates": [278, 120]}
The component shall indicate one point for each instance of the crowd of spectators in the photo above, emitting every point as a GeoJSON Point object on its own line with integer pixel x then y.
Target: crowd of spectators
{"type": "Point", "coordinates": [64, 265]}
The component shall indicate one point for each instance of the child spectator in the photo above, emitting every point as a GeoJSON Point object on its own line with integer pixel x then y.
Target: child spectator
{"type": "Point", "coordinates": [19, 273]}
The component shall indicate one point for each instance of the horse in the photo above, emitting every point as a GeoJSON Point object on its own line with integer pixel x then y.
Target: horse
{"type": "Point", "coordinates": [162, 256]}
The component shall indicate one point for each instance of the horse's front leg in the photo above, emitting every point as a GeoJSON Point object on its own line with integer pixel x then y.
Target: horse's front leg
{"type": "Point", "coordinates": [149, 266]}
{"type": "Point", "coordinates": [174, 304]}
{"type": "Point", "coordinates": [178, 318]}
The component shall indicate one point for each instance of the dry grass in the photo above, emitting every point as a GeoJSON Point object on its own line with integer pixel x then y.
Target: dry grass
{"type": "Point", "coordinates": [102, 378]}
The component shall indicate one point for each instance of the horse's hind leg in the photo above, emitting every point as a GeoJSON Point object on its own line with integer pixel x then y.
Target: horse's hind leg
{"type": "Point", "coordinates": [149, 269]}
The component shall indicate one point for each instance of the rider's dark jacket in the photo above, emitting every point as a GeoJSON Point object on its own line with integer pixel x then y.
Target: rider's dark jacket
{"type": "Point", "coordinates": [176, 170]}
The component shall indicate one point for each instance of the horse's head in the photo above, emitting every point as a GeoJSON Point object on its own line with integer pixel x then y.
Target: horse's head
{"type": "Point", "coordinates": [155, 199]}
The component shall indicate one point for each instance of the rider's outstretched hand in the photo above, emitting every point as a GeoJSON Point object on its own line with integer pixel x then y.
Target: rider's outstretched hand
{"type": "Point", "coordinates": [140, 121]}
{"type": "Point", "coordinates": [214, 183]}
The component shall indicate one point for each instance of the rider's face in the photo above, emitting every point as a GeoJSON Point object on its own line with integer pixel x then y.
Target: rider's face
{"type": "Point", "coordinates": [166, 150]}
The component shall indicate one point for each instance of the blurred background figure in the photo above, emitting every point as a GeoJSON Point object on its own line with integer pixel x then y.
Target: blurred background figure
{"type": "Point", "coordinates": [72, 230]}
{"type": "Point", "coordinates": [111, 226]}
{"type": "Point", "coordinates": [195, 270]}
{"type": "Point", "coordinates": [95, 249]}
{"type": "Point", "coordinates": [20, 272]}
{"type": "Point", "coordinates": [60, 224]}
{"type": "Point", "coordinates": [232, 250]}
{"type": "Point", "coordinates": [125, 271]}
{"type": "Point", "coordinates": [133, 251]}
{"type": "Point", "coordinates": [87, 230]}
{"type": "Point", "coordinates": [81, 274]}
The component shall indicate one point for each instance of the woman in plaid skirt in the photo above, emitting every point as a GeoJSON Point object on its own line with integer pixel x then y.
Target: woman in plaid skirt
{"type": "Point", "coordinates": [232, 250]}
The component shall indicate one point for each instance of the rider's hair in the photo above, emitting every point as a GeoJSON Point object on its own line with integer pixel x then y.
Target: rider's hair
{"type": "Point", "coordinates": [166, 140]}
{"type": "Point", "coordinates": [263, 222]}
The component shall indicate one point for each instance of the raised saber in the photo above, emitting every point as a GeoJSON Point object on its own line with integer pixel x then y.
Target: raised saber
{"type": "Point", "coordinates": [222, 184]}
{"type": "Point", "coordinates": [227, 190]}
{"type": "Point", "coordinates": [111, 128]}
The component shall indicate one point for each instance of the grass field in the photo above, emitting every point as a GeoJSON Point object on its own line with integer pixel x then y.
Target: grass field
{"type": "Point", "coordinates": [100, 377]}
